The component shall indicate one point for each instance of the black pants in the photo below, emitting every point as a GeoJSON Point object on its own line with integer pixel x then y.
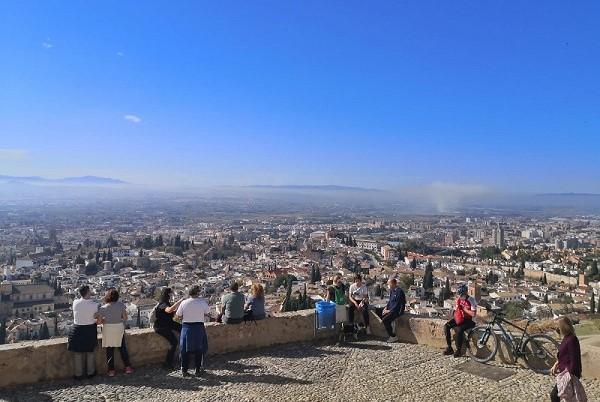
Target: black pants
{"type": "Point", "coordinates": [185, 360]}
{"type": "Point", "coordinates": [110, 356]}
{"type": "Point", "coordinates": [554, 395]}
{"type": "Point", "coordinates": [169, 335]}
{"type": "Point", "coordinates": [387, 320]}
{"type": "Point", "coordinates": [364, 311]}
{"type": "Point", "coordinates": [460, 332]}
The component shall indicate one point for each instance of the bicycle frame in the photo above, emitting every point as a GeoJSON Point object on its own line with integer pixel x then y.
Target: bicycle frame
{"type": "Point", "coordinates": [497, 322]}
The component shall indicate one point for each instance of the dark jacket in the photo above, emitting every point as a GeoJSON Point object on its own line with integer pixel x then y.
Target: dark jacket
{"type": "Point", "coordinates": [397, 301]}
{"type": "Point", "coordinates": [569, 356]}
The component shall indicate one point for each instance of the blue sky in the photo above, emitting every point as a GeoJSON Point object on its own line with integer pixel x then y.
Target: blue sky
{"type": "Point", "coordinates": [388, 94]}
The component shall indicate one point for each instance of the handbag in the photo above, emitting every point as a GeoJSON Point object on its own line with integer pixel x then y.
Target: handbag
{"type": "Point", "coordinates": [570, 388]}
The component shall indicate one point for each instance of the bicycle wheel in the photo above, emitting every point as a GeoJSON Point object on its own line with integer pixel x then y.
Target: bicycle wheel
{"type": "Point", "coordinates": [482, 344]}
{"type": "Point", "coordinates": [540, 352]}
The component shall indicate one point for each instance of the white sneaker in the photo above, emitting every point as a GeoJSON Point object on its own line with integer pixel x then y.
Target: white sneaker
{"type": "Point", "coordinates": [392, 339]}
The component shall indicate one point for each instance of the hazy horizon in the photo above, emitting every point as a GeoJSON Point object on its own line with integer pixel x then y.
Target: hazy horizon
{"type": "Point", "coordinates": [467, 99]}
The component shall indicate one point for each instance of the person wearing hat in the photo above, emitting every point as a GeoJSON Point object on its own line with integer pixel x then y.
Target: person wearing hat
{"type": "Point", "coordinates": [464, 312]}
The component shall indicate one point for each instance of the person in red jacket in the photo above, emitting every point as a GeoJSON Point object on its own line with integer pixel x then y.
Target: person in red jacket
{"type": "Point", "coordinates": [464, 312]}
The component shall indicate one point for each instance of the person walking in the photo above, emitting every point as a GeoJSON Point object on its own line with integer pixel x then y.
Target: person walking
{"type": "Point", "coordinates": [83, 336]}
{"type": "Point", "coordinates": [165, 326]}
{"type": "Point", "coordinates": [113, 315]}
{"type": "Point", "coordinates": [567, 368]}
{"type": "Point", "coordinates": [464, 311]}
{"type": "Point", "coordinates": [193, 341]}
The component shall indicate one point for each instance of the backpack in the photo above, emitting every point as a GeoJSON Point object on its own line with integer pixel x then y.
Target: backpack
{"type": "Point", "coordinates": [153, 314]}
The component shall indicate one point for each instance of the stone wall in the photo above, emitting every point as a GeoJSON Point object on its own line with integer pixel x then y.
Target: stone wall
{"type": "Point", "coordinates": [550, 277]}
{"type": "Point", "coordinates": [32, 362]}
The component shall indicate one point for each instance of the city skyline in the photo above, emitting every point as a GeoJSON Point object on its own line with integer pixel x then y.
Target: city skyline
{"type": "Point", "coordinates": [486, 98]}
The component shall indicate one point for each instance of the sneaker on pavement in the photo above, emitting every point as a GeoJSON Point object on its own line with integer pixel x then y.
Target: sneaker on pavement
{"type": "Point", "coordinates": [111, 373]}
{"type": "Point", "coordinates": [392, 339]}
{"type": "Point", "coordinates": [184, 373]}
{"type": "Point", "coordinates": [448, 351]}
{"type": "Point", "coordinates": [457, 354]}
{"type": "Point", "coordinates": [128, 370]}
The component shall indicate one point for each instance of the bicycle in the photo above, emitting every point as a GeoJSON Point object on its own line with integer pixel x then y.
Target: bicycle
{"type": "Point", "coordinates": [538, 350]}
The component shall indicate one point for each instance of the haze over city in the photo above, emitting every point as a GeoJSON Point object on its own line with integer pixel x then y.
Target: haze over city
{"type": "Point", "coordinates": [299, 201]}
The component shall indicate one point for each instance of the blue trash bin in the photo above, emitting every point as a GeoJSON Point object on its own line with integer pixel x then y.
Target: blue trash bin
{"type": "Point", "coordinates": [325, 314]}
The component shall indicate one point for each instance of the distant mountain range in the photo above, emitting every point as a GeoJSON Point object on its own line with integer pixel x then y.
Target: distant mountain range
{"type": "Point", "coordinates": [568, 195]}
{"type": "Point", "coordinates": [81, 180]}
{"type": "Point", "coordinates": [314, 187]}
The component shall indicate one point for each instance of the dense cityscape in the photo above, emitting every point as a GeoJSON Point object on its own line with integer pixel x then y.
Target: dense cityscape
{"type": "Point", "coordinates": [538, 265]}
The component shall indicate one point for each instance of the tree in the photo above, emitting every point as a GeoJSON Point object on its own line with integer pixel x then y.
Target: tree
{"type": "Point", "coordinates": [546, 298]}
{"type": "Point", "coordinates": [44, 332]}
{"type": "Point", "coordinates": [515, 309]}
{"type": "Point", "coordinates": [97, 256]}
{"type": "Point", "coordinates": [594, 270]}
{"type": "Point", "coordinates": [318, 274]}
{"type": "Point", "coordinates": [313, 274]}
{"type": "Point", "coordinates": [2, 332]}
{"type": "Point", "coordinates": [428, 277]}
{"type": "Point", "coordinates": [109, 255]}
{"type": "Point", "coordinates": [91, 268]}
{"type": "Point", "coordinates": [405, 281]}
{"type": "Point", "coordinates": [79, 260]}
{"type": "Point", "coordinates": [413, 263]}
{"type": "Point", "coordinates": [159, 241]}
{"type": "Point", "coordinates": [447, 292]}
{"type": "Point", "coordinates": [544, 280]}
{"type": "Point", "coordinates": [592, 304]}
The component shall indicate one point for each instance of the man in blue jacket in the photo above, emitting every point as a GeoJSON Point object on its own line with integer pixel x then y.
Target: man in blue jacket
{"type": "Point", "coordinates": [393, 309]}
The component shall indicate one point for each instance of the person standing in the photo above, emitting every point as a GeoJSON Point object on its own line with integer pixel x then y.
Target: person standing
{"type": "Point", "coordinates": [165, 326]}
{"type": "Point", "coordinates": [359, 301]}
{"type": "Point", "coordinates": [193, 341]}
{"type": "Point", "coordinates": [83, 337]}
{"type": "Point", "coordinates": [569, 359]}
{"type": "Point", "coordinates": [232, 309]}
{"type": "Point", "coordinates": [464, 312]}
{"type": "Point", "coordinates": [114, 315]}
{"type": "Point", "coordinates": [393, 309]}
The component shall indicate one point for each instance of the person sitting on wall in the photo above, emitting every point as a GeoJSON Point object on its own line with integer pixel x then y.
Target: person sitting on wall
{"type": "Point", "coordinates": [393, 309]}
{"type": "Point", "coordinates": [255, 307]}
{"type": "Point", "coordinates": [330, 290]}
{"type": "Point", "coordinates": [359, 301]}
{"type": "Point", "coordinates": [83, 337]}
{"type": "Point", "coordinates": [464, 312]}
{"type": "Point", "coordinates": [165, 326]}
{"type": "Point", "coordinates": [232, 306]}
{"type": "Point", "coordinates": [193, 341]}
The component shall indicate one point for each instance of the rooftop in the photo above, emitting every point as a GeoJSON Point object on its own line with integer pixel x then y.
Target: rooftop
{"type": "Point", "coordinates": [362, 371]}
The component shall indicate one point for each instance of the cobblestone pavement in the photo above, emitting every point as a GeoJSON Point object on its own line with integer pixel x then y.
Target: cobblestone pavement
{"type": "Point", "coordinates": [362, 371]}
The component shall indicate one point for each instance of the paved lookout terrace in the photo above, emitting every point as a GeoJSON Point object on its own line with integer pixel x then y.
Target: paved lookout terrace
{"type": "Point", "coordinates": [364, 371]}
{"type": "Point", "coordinates": [278, 360]}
